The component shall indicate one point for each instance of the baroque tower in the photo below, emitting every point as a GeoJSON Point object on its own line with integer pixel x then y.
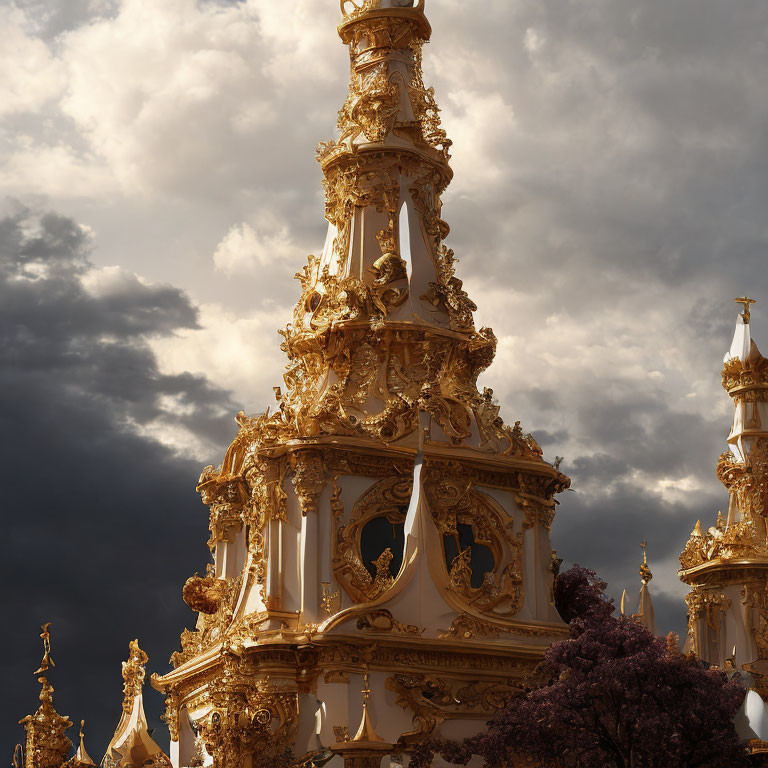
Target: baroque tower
{"type": "Point", "coordinates": [380, 541]}
{"type": "Point", "coordinates": [726, 566]}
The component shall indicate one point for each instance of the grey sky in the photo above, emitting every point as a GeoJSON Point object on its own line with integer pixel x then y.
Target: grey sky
{"type": "Point", "coordinates": [611, 162]}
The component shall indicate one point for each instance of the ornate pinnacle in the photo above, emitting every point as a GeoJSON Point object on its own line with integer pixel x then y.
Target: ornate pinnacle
{"type": "Point", "coordinates": [133, 674]}
{"type": "Point", "coordinates": [366, 733]}
{"type": "Point", "coordinates": [46, 745]}
{"type": "Point", "coordinates": [746, 303]}
{"type": "Point", "coordinates": [82, 758]}
{"type": "Point", "coordinates": [47, 661]}
{"type": "Point", "coordinates": [645, 571]}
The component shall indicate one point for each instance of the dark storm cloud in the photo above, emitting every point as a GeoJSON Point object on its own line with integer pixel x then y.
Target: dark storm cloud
{"type": "Point", "coordinates": [102, 524]}
{"type": "Point", "coordinates": [611, 164]}
{"type": "Point", "coordinates": [51, 18]}
{"type": "Point", "coordinates": [635, 144]}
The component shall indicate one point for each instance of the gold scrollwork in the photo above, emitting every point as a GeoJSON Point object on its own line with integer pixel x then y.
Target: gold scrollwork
{"type": "Point", "coordinates": [433, 700]}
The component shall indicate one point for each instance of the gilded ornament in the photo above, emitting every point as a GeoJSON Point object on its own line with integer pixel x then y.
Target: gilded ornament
{"type": "Point", "coordinates": [374, 368]}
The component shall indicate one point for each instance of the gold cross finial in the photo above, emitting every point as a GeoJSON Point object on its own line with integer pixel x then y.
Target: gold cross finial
{"type": "Point", "coordinates": [746, 303]}
{"type": "Point", "coordinates": [644, 547]}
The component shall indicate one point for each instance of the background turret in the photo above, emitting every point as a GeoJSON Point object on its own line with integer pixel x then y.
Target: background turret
{"type": "Point", "coordinates": [726, 564]}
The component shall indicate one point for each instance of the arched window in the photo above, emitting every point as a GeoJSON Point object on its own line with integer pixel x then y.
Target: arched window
{"type": "Point", "coordinates": [476, 560]}
{"type": "Point", "coordinates": [378, 536]}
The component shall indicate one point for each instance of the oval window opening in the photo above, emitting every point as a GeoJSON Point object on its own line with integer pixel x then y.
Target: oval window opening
{"type": "Point", "coordinates": [378, 536]}
{"type": "Point", "coordinates": [477, 557]}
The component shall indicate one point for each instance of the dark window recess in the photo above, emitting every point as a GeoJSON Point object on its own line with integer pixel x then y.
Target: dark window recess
{"type": "Point", "coordinates": [377, 536]}
{"type": "Point", "coordinates": [481, 560]}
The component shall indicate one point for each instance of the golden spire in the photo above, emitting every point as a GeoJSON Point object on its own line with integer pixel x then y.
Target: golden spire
{"type": "Point", "coordinates": [81, 756]}
{"type": "Point", "coordinates": [47, 745]}
{"type": "Point", "coordinates": [646, 614]}
{"type": "Point", "coordinates": [366, 732]}
{"type": "Point", "coordinates": [746, 303]}
{"type": "Point", "coordinates": [133, 674]}
{"type": "Point", "coordinates": [132, 744]}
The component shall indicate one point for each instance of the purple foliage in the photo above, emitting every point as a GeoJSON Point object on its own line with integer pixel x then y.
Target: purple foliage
{"type": "Point", "coordinates": [611, 696]}
{"type": "Point", "coordinates": [580, 594]}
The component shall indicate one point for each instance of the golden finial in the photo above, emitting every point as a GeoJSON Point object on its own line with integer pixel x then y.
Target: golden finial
{"type": "Point", "coordinates": [82, 758]}
{"type": "Point", "coordinates": [47, 662]}
{"type": "Point", "coordinates": [133, 674]}
{"type": "Point", "coordinates": [746, 303]}
{"type": "Point", "coordinates": [645, 571]}
{"type": "Point", "coordinates": [366, 732]}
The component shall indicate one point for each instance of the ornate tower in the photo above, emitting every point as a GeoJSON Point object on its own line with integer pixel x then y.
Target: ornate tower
{"type": "Point", "coordinates": [47, 745]}
{"type": "Point", "coordinates": [383, 520]}
{"type": "Point", "coordinates": [727, 565]}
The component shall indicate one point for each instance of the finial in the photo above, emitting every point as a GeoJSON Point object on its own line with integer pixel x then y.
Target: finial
{"type": "Point", "coordinates": [645, 571]}
{"type": "Point", "coordinates": [366, 732]}
{"type": "Point", "coordinates": [133, 674]}
{"type": "Point", "coordinates": [366, 687]}
{"type": "Point", "coordinates": [746, 303]}
{"type": "Point", "coordinates": [47, 662]}
{"type": "Point", "coordinates": [720, 524]}
{"type": "Point", "coordinates": [82, 758]}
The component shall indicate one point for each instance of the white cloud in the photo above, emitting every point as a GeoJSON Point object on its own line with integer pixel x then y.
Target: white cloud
{"type": "Point", "coordinates": [608, 199]}
{"type": "Point", "coordinates": [240, 352]}
{"type": "Point", "coordinates": [30, 76]}
{"type": "Point", "coordinates": [250, 250]}
{"type": "Point", "coordinates": [175, 96]}
{"type": "Point", "coordinates": [104, 282]}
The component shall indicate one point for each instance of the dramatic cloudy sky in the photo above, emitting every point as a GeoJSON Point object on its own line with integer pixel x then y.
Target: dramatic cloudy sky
{"type": "Point", "coordinates": [159, 190]}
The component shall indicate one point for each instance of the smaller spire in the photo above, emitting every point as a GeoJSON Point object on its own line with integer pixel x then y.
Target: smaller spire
{"type": "Point", "coordinates": [367, 748]}
{"type": "Point", "coordinates": [82, 758]}
{"type": "Point", "coordinates": [645, 611]}
{"type": "Point", "coordinates": [366, 732]}
{"type": "Point", "coordinates": [47, 745]}
{"type": "Point", "coordinates": [132, 745]}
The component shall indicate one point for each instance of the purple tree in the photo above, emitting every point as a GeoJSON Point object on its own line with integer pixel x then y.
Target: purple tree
{"type": "Point", "coordinates": [612, 696]}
